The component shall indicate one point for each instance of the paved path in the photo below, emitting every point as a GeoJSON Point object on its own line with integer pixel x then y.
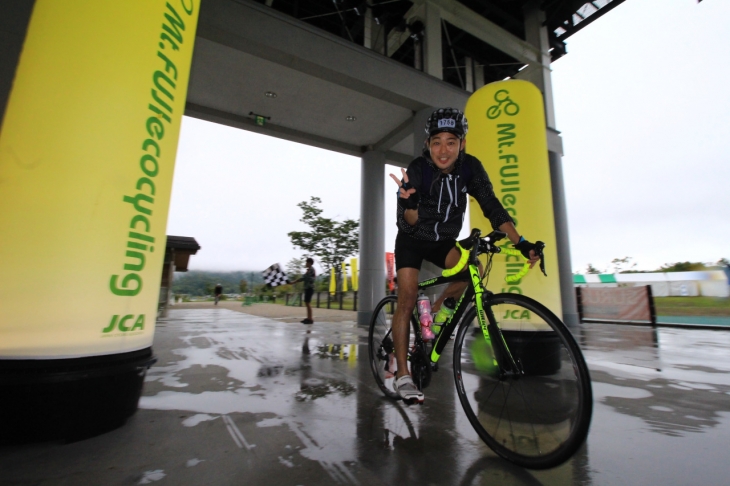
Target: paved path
{"type": "Point", "coordinates": [277, 312]}
{"type": "Point", "coordinates": [242, 399]}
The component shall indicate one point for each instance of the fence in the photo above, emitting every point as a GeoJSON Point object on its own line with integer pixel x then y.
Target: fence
{"type": "Point", "coordinates": [325, 300]}
{"type": "Point", "coordinates": [616, 304]}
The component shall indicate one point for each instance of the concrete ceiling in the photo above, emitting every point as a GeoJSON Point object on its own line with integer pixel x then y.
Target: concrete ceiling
{"type": "Point", "coordinates": [244, 50]}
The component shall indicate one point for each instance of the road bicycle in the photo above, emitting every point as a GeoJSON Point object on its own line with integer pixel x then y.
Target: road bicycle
{"type": "Point", "coordinates": [519, 373]}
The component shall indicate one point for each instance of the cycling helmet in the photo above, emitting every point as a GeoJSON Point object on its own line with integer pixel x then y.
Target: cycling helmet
{"type": "Point", "coordinates": [447, 120]}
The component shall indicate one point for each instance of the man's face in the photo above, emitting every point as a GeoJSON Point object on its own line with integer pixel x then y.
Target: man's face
{"type": "Point", "coordinates": [444, 148]}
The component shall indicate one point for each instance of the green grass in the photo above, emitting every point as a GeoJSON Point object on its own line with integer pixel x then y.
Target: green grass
{"type": "Point", "coordinates": [692, 306]}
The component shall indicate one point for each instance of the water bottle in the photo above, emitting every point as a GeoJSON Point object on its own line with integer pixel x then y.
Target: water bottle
{"type": "Point", "coordinates": [446, 311]}
{"type": "Point", "coordinates": [424, 315]}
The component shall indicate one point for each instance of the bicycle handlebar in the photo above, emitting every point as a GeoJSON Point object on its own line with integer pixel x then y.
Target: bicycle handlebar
{"type": "Point", "coordinates": [486, 245]}
{"type": "Point", "coordinates": [525, 267]}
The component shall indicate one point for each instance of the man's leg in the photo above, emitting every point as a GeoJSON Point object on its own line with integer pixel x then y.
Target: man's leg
{"type": "Point", "coordinates": [407, 294]}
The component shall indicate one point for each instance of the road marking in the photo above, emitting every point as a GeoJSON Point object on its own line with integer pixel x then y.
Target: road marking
{"type": "Point", "coordinates": [238, 437]}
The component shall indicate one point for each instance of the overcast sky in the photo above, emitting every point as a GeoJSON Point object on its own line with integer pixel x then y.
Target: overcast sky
{"type": "Point", "coordinates": [643, 104]}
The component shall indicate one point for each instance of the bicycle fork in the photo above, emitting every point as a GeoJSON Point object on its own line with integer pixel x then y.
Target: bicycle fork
{"type": "Point", "coordinates": [503, 359]}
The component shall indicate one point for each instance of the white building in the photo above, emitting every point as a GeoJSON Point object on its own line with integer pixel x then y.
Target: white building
{"type": "Point", "coordinates": [708, 283]}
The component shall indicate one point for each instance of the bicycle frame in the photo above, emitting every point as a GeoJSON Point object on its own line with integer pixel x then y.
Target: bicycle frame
{"type": "Point", "coordinates": [487, 322]}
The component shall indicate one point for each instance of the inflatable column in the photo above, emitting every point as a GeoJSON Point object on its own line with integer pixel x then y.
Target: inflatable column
{"type": "Point", "coordinates": [87, 151]}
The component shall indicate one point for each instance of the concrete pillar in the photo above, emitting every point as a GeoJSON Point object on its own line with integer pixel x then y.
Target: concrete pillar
{"type": "Point", "coordinates": [372, 234]}
{"type": "Point", "coordinates": [469, 74]}
{"type": "Point", "coordinates": [567, 290]}
{"type": "Point", "coordinates": [536, 34]}
{"type": "Point", "coordinates": [432, 60]}
{"type": "Point", "coordinates": [419, 124]}
{"type": "Point", "coordinates": [168, 275]}
{"type": "Point", "coordinates": [418, 53]}
{"type": "Point", "coordinates": [368, 28]}
{"type": "Point", "coordinates": [478, 76]}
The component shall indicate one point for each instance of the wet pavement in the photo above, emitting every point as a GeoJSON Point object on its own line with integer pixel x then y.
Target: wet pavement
{"type": "Point", "coordinates": [242, 399]}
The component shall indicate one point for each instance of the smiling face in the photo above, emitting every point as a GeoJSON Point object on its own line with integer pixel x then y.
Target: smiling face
{"type": "Point", "coordinates": [444, 148]}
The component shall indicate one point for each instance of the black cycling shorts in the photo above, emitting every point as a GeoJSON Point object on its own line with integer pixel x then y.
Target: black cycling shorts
{"type": "Point", "coordinates": [308, 295]}
{"type": "Point", "coordinates": [410, 252]}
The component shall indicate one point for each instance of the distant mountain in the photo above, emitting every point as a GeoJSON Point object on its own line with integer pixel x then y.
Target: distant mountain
{"type": "Point", "coordinates": [199, 282]}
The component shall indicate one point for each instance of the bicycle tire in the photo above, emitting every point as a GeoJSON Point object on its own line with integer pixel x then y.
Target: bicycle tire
{"type": "Point", "coordinates": [539, 419]}
{"type": "Point", "coordinates": [380, 345]}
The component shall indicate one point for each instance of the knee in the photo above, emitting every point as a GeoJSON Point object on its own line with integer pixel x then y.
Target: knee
{"type": "Point", "coordinates": [407, 300]}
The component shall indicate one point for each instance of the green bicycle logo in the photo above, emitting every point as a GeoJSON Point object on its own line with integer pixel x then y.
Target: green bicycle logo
{"type": "Point", "coordinates": [502, 98]}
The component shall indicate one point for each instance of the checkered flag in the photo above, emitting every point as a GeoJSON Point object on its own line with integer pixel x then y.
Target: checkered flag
{"type": "Point", "coordinates": [274, 276]}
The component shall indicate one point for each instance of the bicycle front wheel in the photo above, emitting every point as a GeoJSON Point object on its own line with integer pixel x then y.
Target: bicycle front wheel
{"type": "Point", "coordinates": [538, 418]}
{"type": "Point", "coordinates": [381, 350]}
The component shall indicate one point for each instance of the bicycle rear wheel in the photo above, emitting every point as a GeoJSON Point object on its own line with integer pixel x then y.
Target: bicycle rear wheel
{"type": "Point", "coordinates": [537, 419]}
{"type": "Point", "coordinates": [380, 344]}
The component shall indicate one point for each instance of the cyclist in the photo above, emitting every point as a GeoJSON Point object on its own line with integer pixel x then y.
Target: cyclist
{"type": "Point", "coordinates": [431, 206]}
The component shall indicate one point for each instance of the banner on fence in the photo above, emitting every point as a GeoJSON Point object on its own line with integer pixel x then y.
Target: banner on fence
{"type": "Point", "coordinates": [616, 304]}
{"type": "Point", "coordinates": [353, 269]}
{"type": "Point", "coordinates": [333, 281]}
{"type": "Point", "coordinates": [344, 277]}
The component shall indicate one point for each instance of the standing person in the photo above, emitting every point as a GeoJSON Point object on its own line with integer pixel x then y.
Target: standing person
{"type": "Point", "coordinates": [431, 205]}
{"type": "Point", "coordinates": [308, 279]}
{"type": "Point", "coordinates": [217, 293]}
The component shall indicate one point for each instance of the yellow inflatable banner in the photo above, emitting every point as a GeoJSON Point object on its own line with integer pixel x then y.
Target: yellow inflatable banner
{"type": "Point", "coordinates": [507, 134]}
{"type": "Point", "coordinates": [87, 151]}
{"type": "Point", "coordinates": [333, 281]}
{"type": "Point", "coordinates": [353, 269]}
{"type": "Point", "coordinates": [344, 277]}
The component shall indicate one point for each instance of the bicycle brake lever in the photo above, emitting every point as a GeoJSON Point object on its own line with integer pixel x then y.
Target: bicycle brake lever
{"type": "Point", "coordinates": [540, 246]}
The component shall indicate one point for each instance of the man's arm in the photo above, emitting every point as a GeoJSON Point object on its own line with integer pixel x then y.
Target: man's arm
{"type": "Point", "coordinates": [509, 229]}
{"type": "Point", "coordinates": [481, 188]}
{"type": "Point", "coordinates": [407, 194]}
{"type": "Point", "coordinates": [411, 216]}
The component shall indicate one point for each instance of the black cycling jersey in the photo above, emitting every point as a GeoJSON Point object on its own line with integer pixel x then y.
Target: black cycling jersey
{"type": "Point", "coordinates": [442, 206]}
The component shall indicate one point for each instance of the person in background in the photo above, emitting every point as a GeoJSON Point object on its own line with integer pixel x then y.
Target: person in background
{"type": "Point", "coordinates": [217, 293]}
{"type": "Point", "coordinates": [308, 279]}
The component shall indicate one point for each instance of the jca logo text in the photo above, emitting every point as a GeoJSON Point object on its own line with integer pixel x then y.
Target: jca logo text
{"type": "Point", "coordinates": [127, 323]}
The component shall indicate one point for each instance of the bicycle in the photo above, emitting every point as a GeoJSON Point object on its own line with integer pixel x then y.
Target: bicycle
{"type": "Point", "coordinates": [519, 373]}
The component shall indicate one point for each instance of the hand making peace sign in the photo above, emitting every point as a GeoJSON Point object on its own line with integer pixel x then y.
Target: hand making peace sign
{"type": "Point", "coordinates": [405, 189]}
{"type": "Point", "coordinates": [407, 196]}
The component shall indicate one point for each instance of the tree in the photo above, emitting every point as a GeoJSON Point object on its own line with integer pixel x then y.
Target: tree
{"type": "Point", "coordinates": [295, 267]}
{"type": "Point", "coordinates": [623, 265]}
{"type": "Point", "coordinates": [591, 269]}
{"type": "Point", "coordinates": [682, 267]}
{"type": "Point", "coordinates": [243, 285]}
{"type": "Point", "coordinates": [329, 240]}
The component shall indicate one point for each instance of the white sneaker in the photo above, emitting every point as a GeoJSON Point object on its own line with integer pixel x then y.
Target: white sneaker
{"type": "Point", "coordinates": [405, 389]}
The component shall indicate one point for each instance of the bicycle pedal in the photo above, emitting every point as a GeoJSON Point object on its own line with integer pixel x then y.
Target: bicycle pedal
{"type": "Point", "coordinates": [434, 366]}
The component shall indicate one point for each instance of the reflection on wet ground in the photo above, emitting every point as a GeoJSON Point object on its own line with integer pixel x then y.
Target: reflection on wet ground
{"type": "Point", "coordinates": [238, 399]}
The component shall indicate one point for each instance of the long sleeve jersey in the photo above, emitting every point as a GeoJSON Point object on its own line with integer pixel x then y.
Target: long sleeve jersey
{"type": "Point", "coordinates": [443, 204]}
